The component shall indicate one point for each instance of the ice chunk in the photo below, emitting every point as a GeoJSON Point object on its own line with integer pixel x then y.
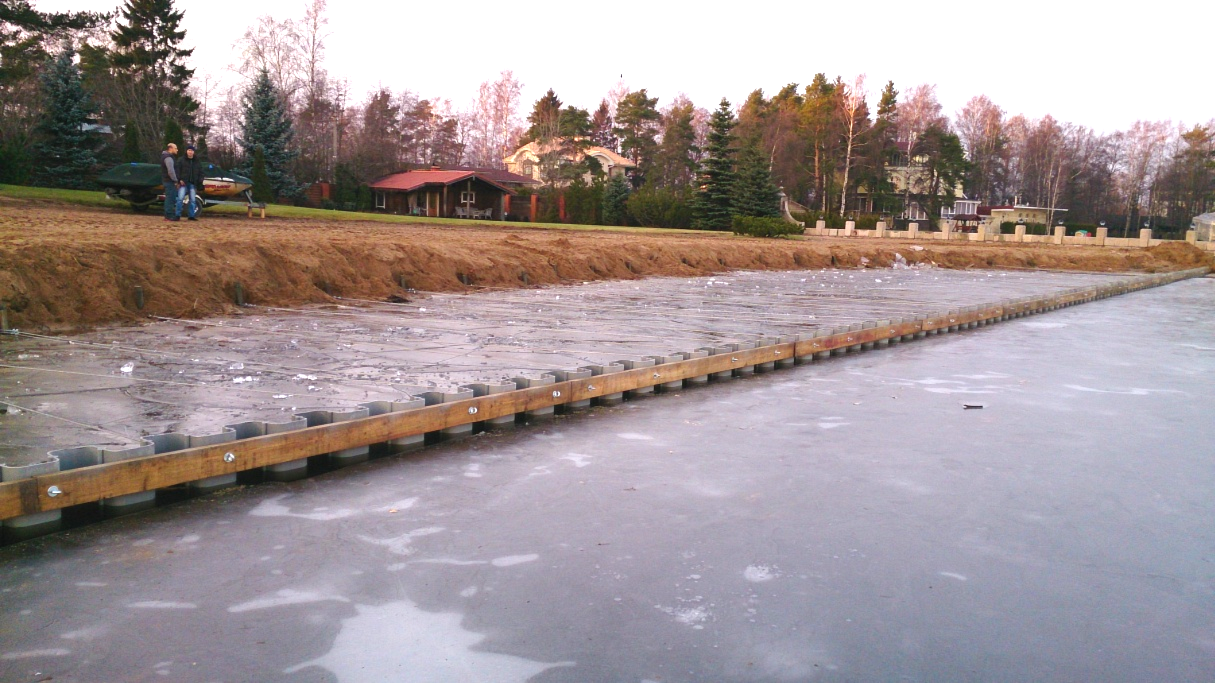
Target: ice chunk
{"type": "Point", "coordinates": [127, 368]}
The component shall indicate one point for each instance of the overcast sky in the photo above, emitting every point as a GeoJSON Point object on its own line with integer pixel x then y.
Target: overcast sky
{"type": "Point", "coordinates": [1103, 65]}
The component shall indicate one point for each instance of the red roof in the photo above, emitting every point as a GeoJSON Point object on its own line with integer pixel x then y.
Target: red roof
{"type": "Point", "coordinates": [415, 180]}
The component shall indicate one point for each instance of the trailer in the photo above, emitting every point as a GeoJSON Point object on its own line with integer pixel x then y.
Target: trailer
{"type": "Point", "coordinates": [140, 185]}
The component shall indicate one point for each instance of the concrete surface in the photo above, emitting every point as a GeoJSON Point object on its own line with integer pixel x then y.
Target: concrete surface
{"type": "Point", "coordinates": [844, 521]}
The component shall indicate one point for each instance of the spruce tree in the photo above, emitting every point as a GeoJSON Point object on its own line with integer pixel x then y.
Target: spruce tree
{"type": "Point", "coordinates": [754, 192]}
{"type": "Point", "coordinates": [66, 154]}
{"type": "Point", "coordinates": [615, 201]}
{"type": "Point", "coordinates": [131, 153]}
{"type": "Point", "coordinates": [174, 135]}
{"type": "Point", "coordinates": [713, 204]}
{"type": "Point", "coordinates": [265, 125]}
{"type": "Point", "coordinates": [149, 65]}
{"type": "Point", "coordinates": [200, 148]}
{"type": "Point", "coordinates": [263, 189]}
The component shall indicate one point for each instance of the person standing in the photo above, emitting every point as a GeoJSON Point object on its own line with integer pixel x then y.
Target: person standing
{"type": "Point", "coordinates": [168, 175]}
{"type": "Point", "coordinates": [190, 175]}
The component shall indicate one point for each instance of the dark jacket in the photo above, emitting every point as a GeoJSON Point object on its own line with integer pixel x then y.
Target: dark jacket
{"type": "Point", "coordinates": [191, 171]}
{"type": "Point", "coordinates": [168, 168]}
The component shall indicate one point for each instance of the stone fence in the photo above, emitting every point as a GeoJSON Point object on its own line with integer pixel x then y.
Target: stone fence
{"type": "Point", "coordinates": [1101, 239]}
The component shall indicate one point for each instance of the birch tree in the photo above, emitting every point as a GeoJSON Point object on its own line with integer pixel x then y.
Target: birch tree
{"type": "Point", "coordinates": [853, 113]}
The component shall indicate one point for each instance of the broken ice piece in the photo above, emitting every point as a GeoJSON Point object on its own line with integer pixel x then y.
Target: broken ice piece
{"type": "Point", "coordinates": [282, 396]}
{"type": "Point", "coordinates": [128, 368]}
{"type": "Point", "coordinates": [307, 377]}
{"type": "Point", "coordinates": [237, 366]}
{"type": "Point", "coordinates": [917, 248]}
{"type": "Point", "coordinates": [241, 380]}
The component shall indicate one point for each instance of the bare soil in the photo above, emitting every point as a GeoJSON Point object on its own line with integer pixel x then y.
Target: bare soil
{"type": "Point", "coordinates": [67, 267]}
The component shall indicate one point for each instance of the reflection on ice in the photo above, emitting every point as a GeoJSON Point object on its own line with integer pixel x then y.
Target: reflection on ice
{"type": "Point", "coordinates": [416, 645]}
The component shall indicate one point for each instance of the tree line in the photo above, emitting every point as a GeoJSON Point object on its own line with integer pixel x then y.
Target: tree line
{"type": "Point", "coordinates": [831, 145]}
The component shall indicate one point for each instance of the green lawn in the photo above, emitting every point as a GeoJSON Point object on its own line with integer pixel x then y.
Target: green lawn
{"type": "Point", "coordinates": [98, 199]}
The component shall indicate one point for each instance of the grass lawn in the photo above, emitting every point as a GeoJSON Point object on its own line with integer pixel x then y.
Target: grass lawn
{"type": "Point", "coordinates": [98, 199]}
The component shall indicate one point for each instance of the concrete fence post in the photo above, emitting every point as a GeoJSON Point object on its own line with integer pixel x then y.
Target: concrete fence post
{"type": "Point", "coordinates": [946, 231]}
{"type": "Point", "coordinates": [849, 228]}
{"type": "Point", "coordinates": [820, 228]}
{"type": "Point", "coordinates": [1102, 233]}
{"type": "Point", "coordinates": [1191, 236]}
{"type": "Point", "coordinates": [1145, 237]}
{"type": "Point", "coordinates": [913, 230]}
{"type": "Point", "coordinates": [1060, 231]}
{"type": "Point", "coordinates": [880, 229]}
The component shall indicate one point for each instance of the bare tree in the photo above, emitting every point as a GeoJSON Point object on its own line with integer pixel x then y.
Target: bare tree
{"type": "Point", "coordinates": [272, 45]}
{"type": "Point", "coordinates": [853, 112]}
{"type": "Point", "coordinates": [493, 122]}
{"type": "Point", "coordinates": [980, 125]}
{"type": "Point", "coordinates": [916, 114]}
{"type": "Point", "coordinates": [1142, 150]}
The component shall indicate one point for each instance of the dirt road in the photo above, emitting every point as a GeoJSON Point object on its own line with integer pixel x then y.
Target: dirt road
{"type": "Point", "coordinates": [64, 267]}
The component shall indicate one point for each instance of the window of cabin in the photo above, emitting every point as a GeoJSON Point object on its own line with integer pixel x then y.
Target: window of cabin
{"type": "Point", "coordinates": [468, 197]}
{"type": "Point", "coordinates": [381, 200]}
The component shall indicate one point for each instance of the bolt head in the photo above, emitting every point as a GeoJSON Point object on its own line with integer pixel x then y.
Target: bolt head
{"type": "Point", "coordinates": [229, 457]}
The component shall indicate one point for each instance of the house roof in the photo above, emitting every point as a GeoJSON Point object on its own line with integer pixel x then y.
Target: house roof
{"type": "Point", "coordinates": [497, 175]}
{"type": "Point", "coordinates": [535, 149]}
{"type": "Point", "coordinates": [409, 181]}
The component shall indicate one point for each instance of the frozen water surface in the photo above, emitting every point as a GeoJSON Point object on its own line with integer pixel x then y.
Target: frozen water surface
{"type": "Point", "coordinates": [1061, 533]}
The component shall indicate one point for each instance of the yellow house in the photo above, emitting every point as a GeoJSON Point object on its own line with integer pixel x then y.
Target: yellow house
{"type": "Point", "coordinates": [526, 160]}
{"type": "Point", "coordinates": [994, 216]}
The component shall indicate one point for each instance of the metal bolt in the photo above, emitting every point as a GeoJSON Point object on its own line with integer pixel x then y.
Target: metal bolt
{"type": "Point", "coordinates": [556, 394]}
{"type": "Point", "coordinates": [590, 387]}
{"type": "Point", "coordinates": [776, 353]}
{"type": "Point", "coordinates": [733, 360]}
{"type": "Point", "coordinates": [656, 375]}
{"type": "Point", "coordinates": [472, 410]}
{"type": "Point", "coordinates": [229, 457]}
{"type": "Point", "coordinates": [53, 491]}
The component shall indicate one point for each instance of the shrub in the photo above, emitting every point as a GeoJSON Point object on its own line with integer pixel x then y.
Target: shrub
{"type": "Point", "coordinates": [660, 208]}
{"type": "Point", "coordinates": [754, 226]}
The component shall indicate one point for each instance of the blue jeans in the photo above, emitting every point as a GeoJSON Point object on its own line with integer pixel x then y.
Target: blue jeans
{"type": "Point", "coordinates": [187, 189]}
{"type": "Point", "coordinates": [172, 207]}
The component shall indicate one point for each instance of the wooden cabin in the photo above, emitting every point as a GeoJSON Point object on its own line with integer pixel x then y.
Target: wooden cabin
{"type": "Point", "coordinates": [439, 193]}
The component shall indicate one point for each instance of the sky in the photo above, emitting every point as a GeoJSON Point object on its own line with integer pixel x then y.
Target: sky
{"type": "Point", "coordinates": [1102, 65]}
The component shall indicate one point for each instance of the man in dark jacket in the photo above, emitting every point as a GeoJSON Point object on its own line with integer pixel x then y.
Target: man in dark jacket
{"type": "Point", "coordinates": [190, 175]}
{"type": "Point", "coordinates": [168, 175]}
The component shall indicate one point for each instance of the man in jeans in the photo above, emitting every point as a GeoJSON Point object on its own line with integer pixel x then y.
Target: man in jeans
{"type": "Point", "coordinates": [168, 175]}
{"type": "Point", "coordinates": [190, 177]}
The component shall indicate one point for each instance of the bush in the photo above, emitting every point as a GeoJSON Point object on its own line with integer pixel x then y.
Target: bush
{"type": "Point", "coordinates": [1009, 228]}
{"type": "Point", "coordinates": [764, 227]}
{"type": "Point", "coordinates": [660, 208]}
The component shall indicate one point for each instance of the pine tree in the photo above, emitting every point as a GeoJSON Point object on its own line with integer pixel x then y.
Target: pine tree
{"type": "Point", "coordinates": [637, 121]}
{"type": "Point", "coordinates": [200, 148]}
{"type": "Point", "coordinates": [131, 153]}
{"type": "Point", "coordinates": [66, 154]}
{"type": "Point", "coordinates": [754, 192]}
{"type": "Point", "coordinates": [267, 127]}
{"type": "Point", "coordinates": [615, 201]}
{"type": "Point", "coordinates": [713, 205]}
{"type": "Point", "coordinates": [150, 67]}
